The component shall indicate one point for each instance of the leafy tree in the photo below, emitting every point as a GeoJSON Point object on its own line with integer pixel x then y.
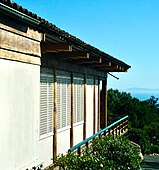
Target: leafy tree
{"type": "Point", "coordinates": [153, 132]}
{"type": "Point", "coordinates": [143, 115]}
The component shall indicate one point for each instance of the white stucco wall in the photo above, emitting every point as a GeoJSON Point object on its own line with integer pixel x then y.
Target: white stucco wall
{"type": "Point", "coordinates": [63, 141]}
{"type": "Point", "coordinates": [19, 112]}
{"type": "Point", "coordinates": [89, 107]}
{"type": "Point", "coordinates": [45, 150]}
{"type": "Point", "coordinates": [78, 133]}
{"type": "Point", "coordinates": [96, 110]}
{"type": "Point", "coordinates": [20, 145]}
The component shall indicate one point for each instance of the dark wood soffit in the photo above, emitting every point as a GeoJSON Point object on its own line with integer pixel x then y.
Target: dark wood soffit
{"type": "Point", "coordinates": [86, 60]}
{"type": "Point", "coordinates": [74, 55]}
{"type": "Point", "coordinates": [65, 52]}
{"type": "Point", "coordinates": [54, 47]}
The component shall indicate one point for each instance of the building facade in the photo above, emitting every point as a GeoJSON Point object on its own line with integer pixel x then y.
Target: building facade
{"type": "Point", "coordinates": [50, 89]}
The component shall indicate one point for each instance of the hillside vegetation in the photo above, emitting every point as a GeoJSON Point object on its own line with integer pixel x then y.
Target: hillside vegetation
{"type": "Point", "coordinates": [143, 118]}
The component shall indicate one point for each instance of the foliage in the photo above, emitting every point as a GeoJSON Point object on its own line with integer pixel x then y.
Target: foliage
{"type": "Point", "coordinates": [153, 132]}
{"type": "Point", "coordinates": [106, 153]}
{"type": "Point", "coordinates": [153, 149]}
{"type": "Point", "coordinates": [140, 137]}
{"type": "Point", "coordinates": [140, 113]}
{"type": "Point", "coordinates": [143, 115]}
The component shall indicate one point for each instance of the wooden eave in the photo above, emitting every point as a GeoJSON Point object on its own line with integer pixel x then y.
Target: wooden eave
{"type": "Point", "coordinates": [70, 53]}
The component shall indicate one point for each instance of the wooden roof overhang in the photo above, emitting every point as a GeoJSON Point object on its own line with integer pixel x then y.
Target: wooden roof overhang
{"type": "Point", "coordinates": [62, 45]}
{"type": "Point", "coordinates": [71, 53]}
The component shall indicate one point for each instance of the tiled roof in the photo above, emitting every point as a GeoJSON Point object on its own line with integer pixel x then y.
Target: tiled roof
{"type": "Point", "coordinates": [61, 33]}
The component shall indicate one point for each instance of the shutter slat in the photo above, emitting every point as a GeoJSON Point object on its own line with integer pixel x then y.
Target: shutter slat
{"type": "Point", "coordinates": [46, 103]}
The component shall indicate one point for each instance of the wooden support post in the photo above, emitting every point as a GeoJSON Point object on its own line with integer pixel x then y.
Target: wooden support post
{"type": "Point", "coordinates": [102, 118]}
{"type": "Point", "coordinates": [106, 105]}
{"type": "Point", "coordinates": [98, 104]}
{"type": "Point", "coordinates": [84, 125]}
{"type": "Point", "coordinates": [94, 107]}
{"type": "Point", "coordinates": [55, 118]}
{"type": "Point", "coordinates": [72, 117]}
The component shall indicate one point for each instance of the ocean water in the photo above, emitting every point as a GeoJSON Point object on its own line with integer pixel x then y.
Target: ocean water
{"type": "Point", "coordinates": [144, 96]}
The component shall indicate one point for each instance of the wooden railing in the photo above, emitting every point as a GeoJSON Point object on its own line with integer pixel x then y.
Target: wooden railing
{"type": "Point", "coordinates": [117, 128]}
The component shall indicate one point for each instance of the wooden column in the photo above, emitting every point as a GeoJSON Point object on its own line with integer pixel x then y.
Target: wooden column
{"type": "Point", "coordinates": [84, 125]}
{"type": "Point", "coordinates": [98, 104]}
{"type": "Point", "coordinates": [55, 118]}
{"type": "Point", "coordinates": [106, 105]}
{"type": "Point", "coordinates": [72, 117]}
{"type": "Point", "coordinates": [102, 117]}
{"type": "Point", "coordinates": [94, 107]}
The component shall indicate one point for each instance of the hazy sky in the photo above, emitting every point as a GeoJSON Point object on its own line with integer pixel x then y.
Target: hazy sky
{"type": "Point", "coordinates": [125, 29]}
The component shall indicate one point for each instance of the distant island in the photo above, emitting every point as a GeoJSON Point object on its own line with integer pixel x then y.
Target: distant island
{"type": "Point", "coordinates": [143, 93]}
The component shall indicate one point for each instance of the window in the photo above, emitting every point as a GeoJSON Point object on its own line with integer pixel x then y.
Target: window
{"type": "Point", "coordinates": [46, 104]}
{"type": "Point", "coordinates": [78, 99]}
{"type": "Point", "coordinates": [63, 99]}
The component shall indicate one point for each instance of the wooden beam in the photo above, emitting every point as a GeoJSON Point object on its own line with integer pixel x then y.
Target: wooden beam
{"type": "Point", "coordinates": [72, 117]}
{"type": "Point", "coordinates": [98, 104]}
{"type": "Point", "coordinates": [102, 119]}
{"type": "Point", "coordinates": [81, 55]}
{"type": "Point", "coordinates": [55, 118]}
{"type": "Point", "coordinates": [113, 67]}
{"type": "Point", "coordinates": [84, 125]}
{"type": "Point", "coordinates": [106, 103]}
{"type": "Point", "coordinates": [94, 107]}
{"type": "Point", "coordinates": [74, 55]}
{"type": "Point", "coordinates": [88, 61]}
{"type": "Point", "coordinates": [101, 65]}
{"type": "Point", "coordinates": [123, 69]}
{"type": "Point", "coordinates": [54, 47]}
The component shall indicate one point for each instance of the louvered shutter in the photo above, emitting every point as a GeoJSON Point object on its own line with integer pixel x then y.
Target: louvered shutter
{"type": "Point", "coordinates": [63, 99]}
{"type": "Point", "coordinates": [68, 100]}
{"type": "Point", "coordinates": [43, 104]}
{"type": "Point", "coordinates": [82, 98]}
{"type": "Point", "coordinates": [50, 103]}
{"type": "Point", "coordinates": [78, 99]}
{"type": "Point", "coordinates": [64, 102]}
{"type": "Point", "coordinates": [59, 98]}
{"type": "Point", "coordinates": [75, 99]}
{"type": "Point", "coordinates": [46, 104]}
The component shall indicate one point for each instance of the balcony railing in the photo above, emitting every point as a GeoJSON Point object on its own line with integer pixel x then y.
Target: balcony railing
{"type": "Point", "coordinates": [117, 128]}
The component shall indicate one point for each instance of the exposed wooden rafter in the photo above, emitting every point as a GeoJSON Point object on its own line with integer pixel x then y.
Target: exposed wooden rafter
{"type": "Point", "coordinates": [55, 47]}
{"type": "Point", "coordinates": [101, 64]}
{"type": "Point", "coordinates": [113, 69]}
{"type": "Point", "coordinates": [74, 55]}
{"type": "Point", "coordinates": [89, 61]}
{"type": "Point", "coordinates": [65, 52]}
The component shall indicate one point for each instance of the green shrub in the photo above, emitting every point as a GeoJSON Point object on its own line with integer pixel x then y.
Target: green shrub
{"type": "Point", "coordinates": [106, 153]}
{"type": "Point", "coordinates": [153, 149]}
{"type": "Point", "coordinates": [140, 137]}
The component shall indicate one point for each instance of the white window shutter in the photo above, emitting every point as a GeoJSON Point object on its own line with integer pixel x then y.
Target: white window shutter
{"type": "Point", "coordinates": [63, 99]}
{"type": "Point", "coordinates": [43, 104]}
{"type": "Point", "coordinates": [58, 102]}
{"type": "Point", "coordinates": [46, 103]}
{"type": "Point", "coordinates": [75, 100]}
{"type": "Point", "coordinates": [64, 102]}
{"type": "Point", "coordinates": [78, 99]}
{"type": "Point", "coordinates": [50, 103]}
{"type": "Point", "coordinates": [68, 100]}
